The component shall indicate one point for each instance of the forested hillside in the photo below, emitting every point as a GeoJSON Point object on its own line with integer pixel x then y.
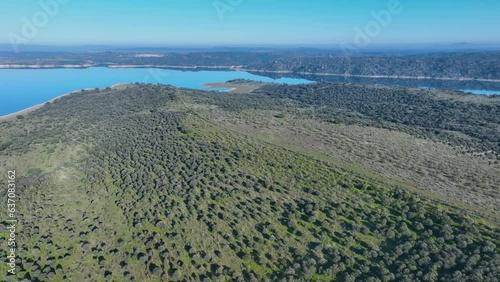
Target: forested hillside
{"type": "Point", "coordinates": [144, 184]}
{"type": "Point", "coordinates": [421, 112]}
{"type": "Point", "coordinates": [455, 65]}
{"type": "Point", "coordinates": [432, 140]}
{"type": "Point", "coordinates": [435, 65]}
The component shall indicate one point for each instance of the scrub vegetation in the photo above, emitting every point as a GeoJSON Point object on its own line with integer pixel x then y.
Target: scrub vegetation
{"type": "Point", "coordinates": [153, 183]}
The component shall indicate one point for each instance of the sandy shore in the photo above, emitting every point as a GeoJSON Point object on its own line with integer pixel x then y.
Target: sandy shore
{"type": "Point", "coordinates": [36, 107]}
{"type": "Point", "coordinates": [212, 85]}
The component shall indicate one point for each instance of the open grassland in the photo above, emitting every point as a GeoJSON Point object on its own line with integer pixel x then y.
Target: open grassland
{"type": "Point", "coordinates": [237, 85]}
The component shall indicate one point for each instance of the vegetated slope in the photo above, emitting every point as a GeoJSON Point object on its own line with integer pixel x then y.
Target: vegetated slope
{"type": "Point", "coordinates": [411, 156]}
{"type": "Point", "coordinates": [450, 65]}
{"type": "Point", "coordinates": [475, 126]}
{"type": "Point", "coordinates": [156, 191]}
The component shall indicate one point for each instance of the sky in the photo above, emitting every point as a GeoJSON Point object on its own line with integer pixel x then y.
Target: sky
{"type": "Point", "coordinates": [249, 22]}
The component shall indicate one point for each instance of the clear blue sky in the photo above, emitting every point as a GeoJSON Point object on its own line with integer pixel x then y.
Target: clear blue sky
{"type": "Point", "coordinates": [256, 22]}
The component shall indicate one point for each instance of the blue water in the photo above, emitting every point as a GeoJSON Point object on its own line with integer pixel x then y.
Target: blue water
{"type": "Point", "coordinates": [481, 92]}
{"type": "Point", "coordinates": [21, 89]}
{"type": "Point", "coordinates": [471, 91]}
{"type": "Point", "coordinates": [222, 89]}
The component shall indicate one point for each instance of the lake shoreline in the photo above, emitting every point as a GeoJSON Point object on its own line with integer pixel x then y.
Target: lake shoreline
{"type": "Point", "coordinates": [45, 84]}
{"type": "Point", "coordinates": [237, 68]}
{"type": "Point", "coordinates": [208, 85]}
{"type": "Point", "coordinates": [114, 86]}
{"type": "Point", "coordinates": [36, 107]}
{"type": "Point", "coordinates": [179, 78]}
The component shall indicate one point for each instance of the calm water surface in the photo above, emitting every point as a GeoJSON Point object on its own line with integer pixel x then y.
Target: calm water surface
{"type": "Point", "coordinates": [21, 89]}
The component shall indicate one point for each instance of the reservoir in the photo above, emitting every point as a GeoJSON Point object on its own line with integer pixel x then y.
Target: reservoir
{"type": "Point", "coordinates": [24, 88]}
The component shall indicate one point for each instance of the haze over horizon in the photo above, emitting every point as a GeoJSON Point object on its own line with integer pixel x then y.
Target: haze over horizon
{"type": "Point", "coordinates": [249, 23]}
